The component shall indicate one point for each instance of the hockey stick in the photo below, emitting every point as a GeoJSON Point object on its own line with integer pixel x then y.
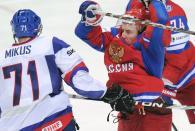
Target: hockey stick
{"type": "Point", "coordinates": [146, 22]}
{"type": "Point", "coordinates": [145, 104]}
{"type": "Point", "coordinates": [174, 127]}
{"type": "Point", "coordinates": [172, 107]}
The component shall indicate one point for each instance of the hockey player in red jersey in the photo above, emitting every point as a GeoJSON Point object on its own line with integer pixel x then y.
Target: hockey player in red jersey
{"type": "Point", "coordinates": [31, 73]}
{"type": "Point", "coordinates": [134, 59]}
{"type": "Point", "coordinates": [180, 60]}
{"type": "Point", "coordinates": [179, 71]}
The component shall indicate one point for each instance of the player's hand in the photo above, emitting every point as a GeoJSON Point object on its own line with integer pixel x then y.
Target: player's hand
{"type": "Point", "coordinates": [88, 11]}
{"type": "Point", "coordinates": [119, 99]}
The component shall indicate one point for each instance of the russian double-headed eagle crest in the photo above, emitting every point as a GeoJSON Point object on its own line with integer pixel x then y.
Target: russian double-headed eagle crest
{"type": "Point", "coordinates": [116, 52]}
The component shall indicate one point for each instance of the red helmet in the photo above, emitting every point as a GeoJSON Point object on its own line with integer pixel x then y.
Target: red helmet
{"type": "Point", "coordinates": [138, 10]}
{"type": "Point", "coordinates": [140, 13]}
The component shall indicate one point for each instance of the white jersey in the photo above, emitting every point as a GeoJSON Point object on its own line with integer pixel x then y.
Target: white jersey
{"type": "Point", "coordinates": [31, 77]}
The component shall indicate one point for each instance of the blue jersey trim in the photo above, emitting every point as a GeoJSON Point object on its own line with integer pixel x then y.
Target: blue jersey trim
{"type": "Point", "coordinates": [146, 100]}
{"type": "Point", "coordinates": [168, 100]}
{"type": "Point", "coordinates": [58, 44]}
{"type": "Point", "coordinates": [147, 94]}
{"type": "Point", "coordinates": [47, 119]}
{"type": "Point", "coordinates": [189, 79]}
{"type": "Point", "coordinates": [94, 47]}
{"type": "Point", "coordinates": [114, 31]}
{"type": "Point", "coordinates": [74, 73]}
{"type": "Point", "coordinates": [154, 94]}
{"type": "Point", "coordinates": [55, 74]}
{"type": "Point", "coordinates": [183, 81]}
{"type": "Point", "coordinates": [153, 55]}
{"type": "Point", "coordinates": [129, 5]}
{"type": "Point", "coordinates": [89, 94]}
{"type": "Point", "coordinates": [82, 31]}
{"type": "Point", "coordinates": [180, 50]}
{"type": "Point", "coordinates": [161, 11]}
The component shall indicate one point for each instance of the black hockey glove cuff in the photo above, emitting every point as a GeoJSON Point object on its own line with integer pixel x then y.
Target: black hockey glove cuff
{"type": "Point", "coordinates": [119, 99]}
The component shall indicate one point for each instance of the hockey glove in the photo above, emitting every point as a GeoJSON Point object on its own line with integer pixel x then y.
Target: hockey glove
{"type": "Point", "coordinates": [119, 99]}
{"type": "Point", "coordinates": [88, 11]}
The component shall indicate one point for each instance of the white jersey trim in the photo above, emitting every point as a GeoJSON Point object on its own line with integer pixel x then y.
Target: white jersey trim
{"type": "Point", "coordinates": [179, 38]}
{"type": "Point", "coordinates": [176, 47]}
{"type": "Point", "coordinates": [145, 97]}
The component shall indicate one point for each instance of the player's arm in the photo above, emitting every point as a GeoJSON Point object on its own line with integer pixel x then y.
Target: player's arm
{"type": "Point", "coordinates": [74, 71]}
{"type": "Point", "coordinates": [154, 40]}
{"type": "Point", "coordinates": [88, 28]}
{"type": "Point", "coordinates": [76, 74]}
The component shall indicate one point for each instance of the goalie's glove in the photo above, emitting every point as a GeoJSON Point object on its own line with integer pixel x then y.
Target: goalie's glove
{"type": "Point", "coordinates": [119, 99]}
{"type": "Point", "coordinates": [88, 11]}
{"type": "Point", "coordinates": [146, 3]}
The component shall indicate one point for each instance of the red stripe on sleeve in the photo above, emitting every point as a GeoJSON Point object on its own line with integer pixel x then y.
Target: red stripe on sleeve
{"type": "Point", "coordinates": [67, 77]}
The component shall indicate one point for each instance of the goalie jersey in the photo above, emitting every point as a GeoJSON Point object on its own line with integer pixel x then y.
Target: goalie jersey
{"type": "Point", "coordinates": [31, 91]}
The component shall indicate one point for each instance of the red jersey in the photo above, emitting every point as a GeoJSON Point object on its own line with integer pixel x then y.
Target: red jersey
{"type": "Point", "coordinates": [180, 54]}
{"type": "Point", "coordinates": [136, 67]}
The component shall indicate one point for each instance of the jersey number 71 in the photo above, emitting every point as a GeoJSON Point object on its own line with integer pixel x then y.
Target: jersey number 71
{"type": "Point", "coordinates": [31, 71]}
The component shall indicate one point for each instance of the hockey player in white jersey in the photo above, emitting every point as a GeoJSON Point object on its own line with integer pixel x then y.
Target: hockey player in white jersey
{"type": "Point", "coordinates": [31, 74]}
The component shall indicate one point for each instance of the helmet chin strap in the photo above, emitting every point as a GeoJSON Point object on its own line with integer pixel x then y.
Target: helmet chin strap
{"type": "Point", "coordinates": [14, 36]}
{"type": "Point", "coordinates": [40, 30]}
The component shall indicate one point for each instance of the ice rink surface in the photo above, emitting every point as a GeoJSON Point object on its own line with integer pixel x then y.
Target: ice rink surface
{"type": "Point", "coordinates": [59, 18]}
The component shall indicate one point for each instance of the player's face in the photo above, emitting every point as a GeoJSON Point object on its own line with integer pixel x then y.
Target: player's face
{"type": "Point", "coordinates": [129, 31]}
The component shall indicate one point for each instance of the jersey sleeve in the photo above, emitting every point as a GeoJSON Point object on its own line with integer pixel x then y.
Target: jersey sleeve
{"type": "Point", "coordinates": [154, 40]}
{"type": "Point", "coordinates": [93, 36]}
{"type": "Point", "coordinates": [74, 71]}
